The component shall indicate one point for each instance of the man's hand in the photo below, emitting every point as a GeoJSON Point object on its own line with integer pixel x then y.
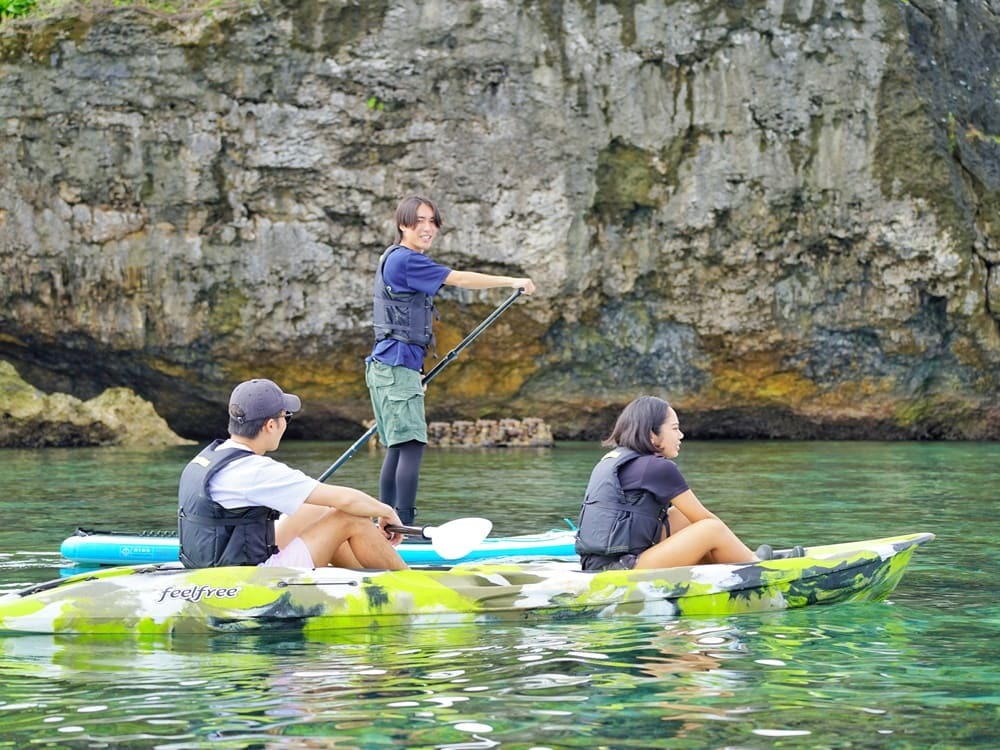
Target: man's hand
{"type": "Point", "coordinates": [526, 284]}
{"type": "Point", "coordinates": [391, 519]}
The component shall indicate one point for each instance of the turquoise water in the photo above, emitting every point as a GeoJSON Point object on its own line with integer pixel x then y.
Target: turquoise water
{"type": "Point", "coordinates": [917, 671]}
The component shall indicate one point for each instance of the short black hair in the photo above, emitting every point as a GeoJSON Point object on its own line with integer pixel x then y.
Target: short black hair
{"type": "Point", "coordinates": [636, 424]}
{"type": "Point", "coordinates": [249, 428]}
{"type": "Point", "coordinates": [406, 213]}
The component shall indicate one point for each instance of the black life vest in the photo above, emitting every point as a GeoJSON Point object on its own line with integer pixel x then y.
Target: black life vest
{"type": "Point", "coordinates": [403, 316]}
{"type": "Point", "coordinates": [210, 535]}
{"type": "Point", "coordinates": [614, 522]}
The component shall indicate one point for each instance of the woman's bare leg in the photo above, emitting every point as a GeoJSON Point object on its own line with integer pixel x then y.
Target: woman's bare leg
{"type": "Point", "coordinates": [709, 539]}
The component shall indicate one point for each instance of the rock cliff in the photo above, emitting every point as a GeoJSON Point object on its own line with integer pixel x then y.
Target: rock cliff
{"type": "Point", "coordinates": [782, 215]}
{"type": "Point", "coordinates": [32, 419]}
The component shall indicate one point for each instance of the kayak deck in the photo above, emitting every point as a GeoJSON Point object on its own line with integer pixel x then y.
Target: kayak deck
{"type": "Point", "coordinates": [168, 599]}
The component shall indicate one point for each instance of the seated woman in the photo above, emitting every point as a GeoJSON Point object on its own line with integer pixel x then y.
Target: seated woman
{"type": "Point", "coordinates": [639, 512]}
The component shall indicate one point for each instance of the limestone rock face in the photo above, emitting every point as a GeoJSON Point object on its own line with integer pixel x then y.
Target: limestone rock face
{"type": "Point", "coordinates": [32, 419]}
{"type": "Point", "coordinates": [782, 216]}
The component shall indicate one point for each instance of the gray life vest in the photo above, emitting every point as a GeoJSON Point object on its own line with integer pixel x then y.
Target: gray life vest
{"type": "Point", "coordinates": [210, 535]}
{"type": "Point", "coordinates": [614, 522]}
{"type": "Point", "coordinates": [403, 316]}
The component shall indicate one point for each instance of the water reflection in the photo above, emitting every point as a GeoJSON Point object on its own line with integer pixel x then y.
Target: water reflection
{"type": "Point", "coordinates": [561, 684]}
{"type": "Point", "coordinates": [903, 673]}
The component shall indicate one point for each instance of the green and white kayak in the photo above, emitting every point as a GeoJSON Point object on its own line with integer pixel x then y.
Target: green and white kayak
{"type": "Point", "coordinates": [166, 599]}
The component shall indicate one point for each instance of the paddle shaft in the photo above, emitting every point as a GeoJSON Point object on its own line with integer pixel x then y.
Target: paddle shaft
{"type": "Point", "coordinates": [426, 379]}
{"type": "Point", "coordinates": [408, 530]}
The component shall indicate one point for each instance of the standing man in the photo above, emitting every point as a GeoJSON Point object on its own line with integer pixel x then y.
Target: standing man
{"type": "Point", "coordinates": [406, 281]}
{"type": "Point", "coordinates": [239, 507]}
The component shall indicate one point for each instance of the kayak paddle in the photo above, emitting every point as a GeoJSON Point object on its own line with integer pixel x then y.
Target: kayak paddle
{"type": "Point", "coordinates": [452, 539]}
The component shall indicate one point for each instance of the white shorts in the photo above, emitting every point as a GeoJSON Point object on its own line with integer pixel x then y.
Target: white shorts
{"type": "Point", "coordinates": [294, 555]}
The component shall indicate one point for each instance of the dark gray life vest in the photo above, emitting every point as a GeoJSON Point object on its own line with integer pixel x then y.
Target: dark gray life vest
{"type": "Point", "coordinates": [210, 535]}
{"type": "Point", "coordinates": [614, 522]}
{"type": "Point", "coordinates": [403, 316]}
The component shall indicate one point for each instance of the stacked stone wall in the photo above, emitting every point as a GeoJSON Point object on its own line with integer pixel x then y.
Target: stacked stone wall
{"type": "Point", "coordinates": [491, 433]}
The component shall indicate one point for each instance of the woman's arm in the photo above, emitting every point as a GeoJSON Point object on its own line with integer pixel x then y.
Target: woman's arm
{"type": "Point", "coordinates": [690, 507]}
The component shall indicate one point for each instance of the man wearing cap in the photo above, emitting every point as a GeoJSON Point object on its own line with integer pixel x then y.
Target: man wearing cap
{"type": "Point", "coordinates": [239, 507]}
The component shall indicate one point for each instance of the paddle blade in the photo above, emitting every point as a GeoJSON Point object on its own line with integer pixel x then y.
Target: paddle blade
{"type": "Point", "coordinates": [458, 538]}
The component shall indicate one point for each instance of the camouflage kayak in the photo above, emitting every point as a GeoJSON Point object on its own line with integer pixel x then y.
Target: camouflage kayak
{"type": "Point", "coordinates": [167, 599]}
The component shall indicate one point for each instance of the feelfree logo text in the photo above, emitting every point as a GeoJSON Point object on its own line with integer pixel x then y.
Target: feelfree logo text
{"type": "Point", "coordinates": [197, 593]}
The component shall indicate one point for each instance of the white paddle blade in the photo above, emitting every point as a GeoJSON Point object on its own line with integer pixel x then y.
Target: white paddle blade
{"type": "Point", "coordinates": [458, 538]}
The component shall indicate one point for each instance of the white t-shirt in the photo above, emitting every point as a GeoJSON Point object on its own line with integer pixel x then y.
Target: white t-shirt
{"type": "Point", "coordinates": [259, 480]}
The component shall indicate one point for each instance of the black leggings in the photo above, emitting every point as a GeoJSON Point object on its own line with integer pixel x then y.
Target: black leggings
{"type": "Point", "coordinates": [399, 478]}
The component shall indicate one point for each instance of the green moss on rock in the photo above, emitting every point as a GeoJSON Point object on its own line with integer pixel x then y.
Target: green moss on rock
{"type": "Point", "coordinates": [30, 418]}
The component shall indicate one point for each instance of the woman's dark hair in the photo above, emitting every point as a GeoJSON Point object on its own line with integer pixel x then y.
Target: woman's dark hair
{"type": "Point", "coordinates": [406, 213]}
{"type": "Point", "coordinates": [635, 425]}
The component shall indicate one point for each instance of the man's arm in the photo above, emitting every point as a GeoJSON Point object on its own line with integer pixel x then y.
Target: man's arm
{"type": "Point", "coordinates": [474, 280]}
{"type": "Point", "coordinates": [351, 501]}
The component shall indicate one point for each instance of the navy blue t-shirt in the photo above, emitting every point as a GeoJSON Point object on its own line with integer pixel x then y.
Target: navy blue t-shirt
{"type": "Point", "coordinates": [656, 474]}
{"type": "Point", "coordinates": [406, 270]}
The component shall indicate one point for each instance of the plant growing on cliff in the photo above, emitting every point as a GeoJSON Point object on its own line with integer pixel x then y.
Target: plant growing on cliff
{"type": "Point", "coordinates": [12, 8]}
{"type": "Point", "coordinates": [42, 8]}
{"type": "Point", "coordinates": [972, 133]}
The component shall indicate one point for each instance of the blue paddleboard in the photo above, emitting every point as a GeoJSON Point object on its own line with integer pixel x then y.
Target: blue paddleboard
{"type": "Point", "coordinates": [115, 548]}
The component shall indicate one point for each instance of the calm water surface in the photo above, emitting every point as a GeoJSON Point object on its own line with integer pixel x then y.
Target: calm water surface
{"type": "Point", "coordinates": [918, 671]}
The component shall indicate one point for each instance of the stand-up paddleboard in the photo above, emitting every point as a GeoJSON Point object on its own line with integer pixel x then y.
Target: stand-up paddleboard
{"type": "Point", "coordinates": [93, 547]}
{"type": "Point", "coordinates": [169, 600]}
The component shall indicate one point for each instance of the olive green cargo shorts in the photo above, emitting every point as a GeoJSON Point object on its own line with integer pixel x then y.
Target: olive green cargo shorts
{"type": "Point", "coordinates": [398, 401]}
